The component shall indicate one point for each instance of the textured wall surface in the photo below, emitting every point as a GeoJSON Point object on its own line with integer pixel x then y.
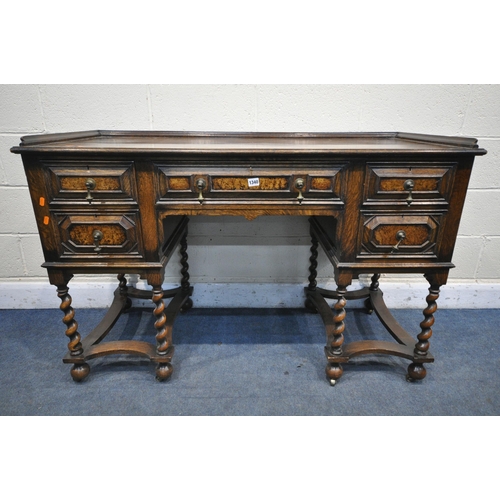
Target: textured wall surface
{"type": "Point", "coordinates": [468, 110]}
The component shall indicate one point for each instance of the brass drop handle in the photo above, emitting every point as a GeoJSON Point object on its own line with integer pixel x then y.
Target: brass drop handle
{"type": "Point", "coordinates": [409, 185]}
{"type": "Point", "coordinates": [89, 184]}
{"type": "Point", "coordinates": [400, 236]}
{"type": "Point", "coordinates": [201, 184]}
{"type": "Point", "coordinates": [299, 184]}
{"type": "Point", "coordinates": [97, 235]}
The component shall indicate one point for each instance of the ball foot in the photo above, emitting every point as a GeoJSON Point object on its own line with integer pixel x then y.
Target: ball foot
{"type": "Point", "coordinates": [163, 371]}
{"type": "Point", "coordinates": [416, 371]}
{"type": "Point", "coordinates": [80, 372]}
{"type": "Point", "coordinates": [333, 372]}
{"type": "Point", "coordinates": [128, 305]}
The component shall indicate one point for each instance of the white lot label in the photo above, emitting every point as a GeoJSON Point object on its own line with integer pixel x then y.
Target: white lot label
{"type": "Point", "coordinates": [253, 181]}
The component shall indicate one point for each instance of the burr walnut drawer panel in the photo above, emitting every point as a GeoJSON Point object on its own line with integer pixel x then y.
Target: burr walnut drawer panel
{"type": "Point", "coordinates": [91, 182]}
{"type": "Point", "coordinates": [408, 184]}
{"type": "Point", "coordinates": [393, 236]}
{"type": "Point", "coordinates": [98, 236]}
{"type": "Point", "coordinates": [218, 183]}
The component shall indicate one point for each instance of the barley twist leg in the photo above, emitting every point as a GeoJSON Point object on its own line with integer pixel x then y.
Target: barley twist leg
{"type": "Point", "coordinates": [335, 340]}
{"type": "Point", "coordinates": [313, 259]}
{"type": "Point", "coordinates": [79, 370]}
{"type": "Point", "coordinates": [373, 287]}
{"type": "Point", "coordinates": [417, 371]}
{"type": "Point", "coordinates": [123, 290]}
{"type": "Point", "coordinates": [185, 274]}
{"type": "Point", "coordinates": [163, 340]}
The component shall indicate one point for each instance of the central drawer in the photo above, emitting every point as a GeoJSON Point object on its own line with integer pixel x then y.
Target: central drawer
{"type": "Point", "coordinates": [296, 183]}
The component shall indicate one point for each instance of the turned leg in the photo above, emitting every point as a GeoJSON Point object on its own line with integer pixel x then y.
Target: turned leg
{"type": "Point", "coordinates": [185, 274]}
{"type": "Point", "coordinates": [123, 290]}
{"type": "Point", "coordinates": [163, 340]}
{"type": "Point", "coordinates": [416, 370]}
{"type": "Point", "coordinates": [79, 370]}
{"type": "Point", "coordinates": [313, 259]}
{"type": "Point", "coordinates": [336, 337]}
{"type": "Point", "coordinates": [373, 287]}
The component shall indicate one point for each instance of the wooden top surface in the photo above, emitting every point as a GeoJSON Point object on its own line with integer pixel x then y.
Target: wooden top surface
{"type": "Point", "coordinates": [249, 142]}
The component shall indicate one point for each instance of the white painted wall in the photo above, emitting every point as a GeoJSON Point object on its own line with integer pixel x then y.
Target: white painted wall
{"type": "Point", "coordinates": [237, 252]}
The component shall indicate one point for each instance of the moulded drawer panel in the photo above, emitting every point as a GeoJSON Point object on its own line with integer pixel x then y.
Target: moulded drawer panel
{"type": "Point", "coordinates": [99, 236]}
{"type": "Point", "coordinates": [231, 183]}
{"type": "Point", "coordinates": [92, 182]}
{"type": "Point", "coordinates": [393, 236]}
{"type": "Point", "coordinates": [408, 184]}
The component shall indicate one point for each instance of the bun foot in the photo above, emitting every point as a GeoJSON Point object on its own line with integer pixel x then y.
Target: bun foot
{"type": "Point", "coordinates": [80, 372]}
{"type": "Point", "coordinates": [333, 372]}
{"type": "Point", "coordinates": [368, 306]}
{"type": "Point", "coordinates": [163, 371]}
{"type": "Point", "coordinates": [310, 306]}
{"type": "Point", "coordinates": [187, 305]}
{"type": "Point", "coordinates": [416, 371]}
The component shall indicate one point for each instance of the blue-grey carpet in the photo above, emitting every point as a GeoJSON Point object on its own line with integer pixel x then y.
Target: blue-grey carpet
{"type": "Point", "coordinates": [249, 362]}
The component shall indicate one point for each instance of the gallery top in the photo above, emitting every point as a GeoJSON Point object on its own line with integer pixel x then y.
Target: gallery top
{"type": "Point", "coordinates": [106, 141]}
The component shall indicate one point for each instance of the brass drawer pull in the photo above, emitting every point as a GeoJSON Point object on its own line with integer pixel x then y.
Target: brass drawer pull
{"type": "Point", "coordinates": [201, 184]}
{"type": "Point", "coordinates": [89, 184]}
{"type": "Point", "coordinates": [299, 184]}
{"type": "Point", "coordinates": [400, 236]}
{"type": "Point", "coordinates": [97, 235]}
{"type": "Point", "coordinates": [409, 185]}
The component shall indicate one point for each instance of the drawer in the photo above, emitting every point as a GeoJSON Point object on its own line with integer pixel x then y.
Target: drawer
{"type": "Point", "coordinates": [393, 236]}
{"type": "Point", "coordinates": [408, 184]}
{"type": "Point", "coordinates": [91, 183]}
{"type": "Point", "coordinates": [291, 183]}
{"type": "Point", "coordinates": [99, 236]}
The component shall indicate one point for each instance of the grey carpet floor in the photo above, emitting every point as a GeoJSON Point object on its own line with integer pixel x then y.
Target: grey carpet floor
{"type": "Point", "coordinates": [249, 362]}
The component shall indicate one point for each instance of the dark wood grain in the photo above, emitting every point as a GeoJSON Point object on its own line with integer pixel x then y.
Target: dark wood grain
{"type": "Point", "coordinates": [138, 188]}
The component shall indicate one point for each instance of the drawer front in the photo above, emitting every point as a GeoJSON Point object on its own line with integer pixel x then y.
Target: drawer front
{"type": "Point", "coordinates": [394, 236]}
{"type": "Point", "coordinates": [292, 183]}
{"type": "Point", "coordinates": [91, 183]}
{"type": "Point", "coordinates": [406, 184]}
{"type": "Point", "coordinates": [99, 236]}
